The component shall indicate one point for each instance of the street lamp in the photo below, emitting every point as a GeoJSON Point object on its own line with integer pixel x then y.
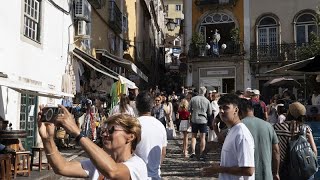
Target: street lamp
{"type": "Point", "coordinates": [170, 24]}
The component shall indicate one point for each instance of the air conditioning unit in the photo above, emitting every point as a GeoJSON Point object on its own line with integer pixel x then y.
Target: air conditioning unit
{"type": "Point", "coordinates": [82, 28]}
{"type": "Point", "coordinates": [82, 10]}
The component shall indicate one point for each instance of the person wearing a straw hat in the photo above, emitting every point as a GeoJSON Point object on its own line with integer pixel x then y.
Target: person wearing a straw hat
{"type": "Point", "coordinates": [295, 118]}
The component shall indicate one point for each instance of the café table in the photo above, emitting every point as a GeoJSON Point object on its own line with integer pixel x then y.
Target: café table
{"type": "Point", "coordinates": [11, 138]}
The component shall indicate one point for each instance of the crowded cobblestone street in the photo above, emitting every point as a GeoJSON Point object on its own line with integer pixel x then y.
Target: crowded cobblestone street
{"type": "Point", "coordinates": [175, 166]}
{"type": "Point", "coordinates": [160, 89]}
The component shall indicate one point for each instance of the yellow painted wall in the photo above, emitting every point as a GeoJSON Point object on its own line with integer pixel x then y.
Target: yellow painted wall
{"type": "Point", "coordinates": [237, 11]}
{"type": "Point", "coordinates": [100, 30]}
{"type": "Point", "coordinates": [172, 13]}
{"type": "Point", "coordinates": [130, 8]}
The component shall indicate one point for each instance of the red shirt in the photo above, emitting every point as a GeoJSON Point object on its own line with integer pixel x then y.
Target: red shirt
{"type": "Point", "coordinates": [184, 114]}
{"type": "Point", "coordinates": [263, 105]}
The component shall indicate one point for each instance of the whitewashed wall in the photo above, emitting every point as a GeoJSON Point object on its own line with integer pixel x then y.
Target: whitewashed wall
{"type": "Point", "coordinates": [43, 62]}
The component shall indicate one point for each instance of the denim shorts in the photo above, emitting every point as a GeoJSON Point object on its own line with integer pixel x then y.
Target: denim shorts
{"type": "Point", "coordinates": [202, 128]}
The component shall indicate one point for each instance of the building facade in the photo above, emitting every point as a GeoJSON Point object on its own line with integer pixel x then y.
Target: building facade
{"type": "Point", "coordinates": [277, 33]}
{"type": "Point", "coordinates": [76, 48]}
{"type": "Point", "coordinates": [254, 38]}
{"type": "Point", "coordinates": [34, 60]}
{"type": "Point", "coordinates": [215, 34]}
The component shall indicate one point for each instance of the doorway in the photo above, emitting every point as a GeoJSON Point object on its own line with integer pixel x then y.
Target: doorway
{"type": "Point", "coordinates": [28, 112]}
{"type": "Point", "coordinates": [228, 85]}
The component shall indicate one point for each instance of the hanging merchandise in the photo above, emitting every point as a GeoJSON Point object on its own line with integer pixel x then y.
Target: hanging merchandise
{"type": "Point", "coordinates": [67, 102]}
{"type": "Point", "coordinates": [120, 87]}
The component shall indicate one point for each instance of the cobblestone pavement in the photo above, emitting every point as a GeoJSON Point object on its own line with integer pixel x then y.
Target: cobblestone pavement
{"type": "Point", "coordinates": [175, 166]}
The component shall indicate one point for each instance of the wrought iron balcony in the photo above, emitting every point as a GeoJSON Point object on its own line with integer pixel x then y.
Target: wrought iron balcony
{"type": "Point", "coordinates": [115, 17]}
{"type": "Point", "coordinates": [232, 49]}
{"type": "Point", "coordinates": [214, 2]}
{"type": "Point", "coordinates": [273, 53]}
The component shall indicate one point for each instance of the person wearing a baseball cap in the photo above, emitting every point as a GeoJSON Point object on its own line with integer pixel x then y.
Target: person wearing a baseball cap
{"type": "Point", "coordinates": [258, 104]}
{"type": "Point", "coordinates": [295, 118]}
{"type": "Point", "coordinates": [247, 93]}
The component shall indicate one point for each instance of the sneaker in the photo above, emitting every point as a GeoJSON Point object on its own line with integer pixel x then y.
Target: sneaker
{"type": "Point", "coordinates": [192, 156]}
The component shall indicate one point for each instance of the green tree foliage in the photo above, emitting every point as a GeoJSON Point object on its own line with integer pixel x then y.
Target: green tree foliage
{"type": "Point", "coordinates": [311, 49]}
{"type": "Point", "coordinates": [196, 41]}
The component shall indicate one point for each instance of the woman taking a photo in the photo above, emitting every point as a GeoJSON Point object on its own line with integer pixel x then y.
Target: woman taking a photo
{"type": "Point", "coordinates": [120, 135]}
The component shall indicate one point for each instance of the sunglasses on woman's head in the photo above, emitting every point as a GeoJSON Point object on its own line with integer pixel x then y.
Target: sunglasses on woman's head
{"type": "Point", "coordinates": [110, 130]}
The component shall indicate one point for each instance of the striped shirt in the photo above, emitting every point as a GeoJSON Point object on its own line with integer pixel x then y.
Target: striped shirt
{"type": "Point", "coordinates": [284, 135]}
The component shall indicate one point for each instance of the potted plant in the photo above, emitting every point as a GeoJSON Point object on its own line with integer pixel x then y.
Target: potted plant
{"type": "Point", "coordinates": [235, 37]}
{"type": "Point", "coordinates": [197, 45]}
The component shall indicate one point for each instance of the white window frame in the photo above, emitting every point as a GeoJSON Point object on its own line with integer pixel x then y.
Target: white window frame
{"type": "Point", "coordinates": [178, 7]}
{"type": "Point", "coordinates": [267, 48]}
{"type": "Point", "coordinates": [178, 21]}
{"type": "Point", "coordinates": [267, 28]}
{"type": "Point", "coordinates": [31, 19]}
{"type": "Point", "coordinates": [305, 25]}
{"type": "Point", "coordinates": [268, 35]}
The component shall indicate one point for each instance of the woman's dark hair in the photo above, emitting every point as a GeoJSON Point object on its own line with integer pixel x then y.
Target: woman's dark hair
{"type": "Point", "coordinates": [281, 109]}
{"type": "Point", "coordinates": [144, 102]}
{"type": "Point", "coordinates": [132, 96]}
{"type": "Point", "coordinates": [124, 101]}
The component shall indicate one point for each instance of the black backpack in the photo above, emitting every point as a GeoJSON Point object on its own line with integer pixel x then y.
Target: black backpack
{"type": "Point", "coordinates": [257, 109]}
{"type": "Point", "coordinates": [302, 160]}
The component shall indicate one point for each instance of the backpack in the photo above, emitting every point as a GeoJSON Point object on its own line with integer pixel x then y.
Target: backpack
{"type": "Point", "coordinates": [302, 160]}
{"type": "Point", "coordinates": [257, 109]}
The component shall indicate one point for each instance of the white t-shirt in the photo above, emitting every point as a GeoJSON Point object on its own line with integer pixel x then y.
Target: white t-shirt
{"type": "Point", "coordinates": [136, 166]}
{"type": "Point", "coordinates": [237, 151]}
{"type": "Point", "coordinates": [153, 139]}
{"type": "Point", "coordinates": [281, 118]}
{"type": "Point", "coordinates": [215, 108]}
{"type": "Point", "coordinates": [129, 110]}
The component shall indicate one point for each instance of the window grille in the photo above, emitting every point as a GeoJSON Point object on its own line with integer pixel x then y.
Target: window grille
{"type": "Point", "coordinates": [32, 19]}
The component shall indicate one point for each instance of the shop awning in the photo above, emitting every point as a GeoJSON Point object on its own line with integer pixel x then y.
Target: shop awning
{"type": "Point", "coordinates": [123, 63]}
{"type": "Point", "coordinates": [311, 64]}
{"type": "Point", "coordinates": [32, 89]}
{"type": "Point", "coordinates": [130, 84]}
{"type": "Point", "coordinates": [82, 56]}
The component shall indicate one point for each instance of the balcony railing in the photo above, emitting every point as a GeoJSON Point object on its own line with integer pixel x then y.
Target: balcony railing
{"type": "Point", "coordinates": [214, 2]}
{"type": "Point", "coordinates": [232, 49]}
{"type": "Point", "coordinates": [273, 53]}
{"type": "Point", "coordinates": [115, 17]}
